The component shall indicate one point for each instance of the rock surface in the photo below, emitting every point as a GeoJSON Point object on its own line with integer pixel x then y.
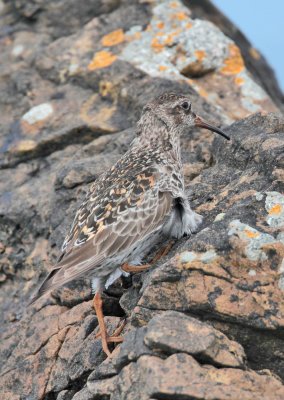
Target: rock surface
{"type": "Point", "coordinates": [207, 321]}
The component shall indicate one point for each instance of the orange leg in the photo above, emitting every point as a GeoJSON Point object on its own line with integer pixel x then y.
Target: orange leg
{"type": "Point", "coordinates": [139, 268]}
{"type": "Point", "coordinates": [98, 305]}
{"type": "Point", "coordinates": [135, 268]}
{"type": "Point", "coordinates": [163, 252]}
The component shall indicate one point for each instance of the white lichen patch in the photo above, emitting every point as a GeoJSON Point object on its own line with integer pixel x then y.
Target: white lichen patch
{"type": "Point", "coordinates": [254, 239]}
{"type": "Point", "coordinates": [187, 256]}
{"type": "Point", "coordinates": [252, 272]}
{"type": "Point", "coordinates": [252, 93]}
{"type": "Point", "coordinates": [38, 113]}
{"type": "Point", "coordinates": [17, 50]}
{"type": "Point", "coordinates": [280, 237]}
{"type": "Point", "coordinates": [208, 256]}
{"type": "Point", "coordinates": [274, 204]}
{"type": "Point", "coordinates": [281, 280]}
{"type": "Point", "coordinates": [190, 256]}
{"type": "Point", "coordinates": [219, 217]}
{"type": "Point", "coordinates": [259, 196]}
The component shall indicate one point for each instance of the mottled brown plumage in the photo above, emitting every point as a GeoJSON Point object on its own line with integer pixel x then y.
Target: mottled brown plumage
{"type": "Point", "coordinates": [130, 206]}
{"type": "Point", "coordinates": [141, 196]}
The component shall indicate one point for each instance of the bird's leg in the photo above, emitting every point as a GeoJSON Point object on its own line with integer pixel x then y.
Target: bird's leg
{"type": "Point", "coordinates": [163, 252]}
{"type": "Point", "coordinates": [98, 305]}
{"type": "Point", "coordinates": [139, 268]}
{"type": "Point", "coordinates": [135, 268]}
{"type": "Point", "coordinates": [115, 338]}
{"type": "Point", "coordinates": [117, 332]}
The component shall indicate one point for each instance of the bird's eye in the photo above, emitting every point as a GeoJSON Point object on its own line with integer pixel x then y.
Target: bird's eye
{"type": "Point", "coordinates": [186, 106]}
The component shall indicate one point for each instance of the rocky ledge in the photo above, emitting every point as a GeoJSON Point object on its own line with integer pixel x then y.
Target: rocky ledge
{"type": "Point", "coordinates": [207, 321]}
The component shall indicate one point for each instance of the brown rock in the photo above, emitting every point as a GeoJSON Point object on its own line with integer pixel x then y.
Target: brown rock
{"type": "Point", "coordinates": [172, 332]}
{"type": "Point", "coordinates": [181, 376]}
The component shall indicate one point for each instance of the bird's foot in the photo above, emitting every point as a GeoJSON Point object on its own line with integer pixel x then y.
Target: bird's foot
{"type": "Point", "coordinates": [115, 337]}
{"type": "Point", "coordinates": [105, 338]}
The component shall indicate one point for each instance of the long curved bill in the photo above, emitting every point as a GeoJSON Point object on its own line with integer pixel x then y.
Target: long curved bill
{"type": "Point", "coordinates": [203, 124]}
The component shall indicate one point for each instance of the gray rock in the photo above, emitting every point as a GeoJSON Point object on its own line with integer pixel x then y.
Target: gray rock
{"type": "Point", "coordinates": [73, 81]}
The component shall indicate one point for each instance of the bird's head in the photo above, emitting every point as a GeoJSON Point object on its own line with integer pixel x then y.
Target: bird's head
{"type": "Point", "coordinates": [175, 111]}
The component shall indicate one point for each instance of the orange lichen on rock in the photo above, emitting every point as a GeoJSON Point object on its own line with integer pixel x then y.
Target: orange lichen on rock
{"type": "Point", "coordinates": [199, 54]}
{"type": "Point", "coordinates": [163, 68]}
{"type": "Point", "coordinates": [169, 39]}
{"type": "Point", "coordinates": [157, 45]}
{"type": "Point", "coordinates": [94, 115]}
{"type": "Point", "coordinates": [106, 88]}
{"type": "Point", "coordinates": [160, 25]}
{"type": "Point", "coordinates": [251, 234]}
{"type": "Point", "coordinates": [173, 4]}
{"type": "Point", "coordinates": [277, 209]}
{"type": "Point", "coordinates": [234, 64]}
{"type": "Point", "coordinates": [24, 145]}
{"type": "Point", "coordinates": [181, 16]}
{"type": "Point", "coordinates": [202, 92]}
{"type": "Point", "coordinates": [239, 81]}
{"type": "Point", "coordinates": [102, 59]}
{"type": "Point", "coordinates": [113, 38]}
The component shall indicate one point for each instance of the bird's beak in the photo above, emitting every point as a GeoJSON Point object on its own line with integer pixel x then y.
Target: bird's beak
{"type": "Point", "coordinates": [203, 124]}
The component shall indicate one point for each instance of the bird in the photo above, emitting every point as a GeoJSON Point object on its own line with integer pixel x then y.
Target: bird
{"type": "Point", "coordinates": [127, 210]}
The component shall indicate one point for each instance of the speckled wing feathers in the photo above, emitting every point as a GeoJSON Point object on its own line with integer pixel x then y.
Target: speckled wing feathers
{"type": "Point", "coordinates": [112, 219]}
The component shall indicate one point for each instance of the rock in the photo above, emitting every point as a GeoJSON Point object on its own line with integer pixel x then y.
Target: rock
{"type": "Point", "coordinates": [66, 395]}
{"type": "Point", "coordinates": [180, 376]}
{"type": "Point", "coordinates": [71, 93]}
{"type": "Point", "coordinates": [231, 270]}
{"type": "Point", "coordinates": [254, 60]}
{"type": "Point", "coordinates": [172, 332]}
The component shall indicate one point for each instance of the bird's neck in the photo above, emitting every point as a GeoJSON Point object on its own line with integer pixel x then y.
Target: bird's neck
{"type": "Point", "coordinates": [155, 134]}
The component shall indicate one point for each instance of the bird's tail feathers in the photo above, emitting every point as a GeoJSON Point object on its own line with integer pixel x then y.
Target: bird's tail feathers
{"type": "Point", "coordinates": [45, 287]}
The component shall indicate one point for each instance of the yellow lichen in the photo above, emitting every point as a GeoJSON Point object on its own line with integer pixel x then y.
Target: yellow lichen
{"type": "Point", "coordinates": [234, 64]}
{"type": "Point", "coordinates": [24, 145]}
{"type": "Point", "coordinates": [277, 209]}
{"type": "Point", "coordinates": [102, 59]}
{"type": "Point", "coordinates": [113, 38]}
{"type": "Point", "coordinates": [239, 81]}
{"type": "Point", "coordinates": [199, 54]}
{"type": "Point", "coordinates": [251, 234]}
{"type": "Point", "coordinates": [160, 25]}
{"type": "Point", "coordinates": [157, 45]}
{"type": "Point", "coordinates": [105, 88]}
{"type": "Point", "coordinates": [168, 40]}
{"type": "Point", "coordinates": [163, 68]}
{"type": "Point", "coordinates": [202, 92]}
{"type": "Point", "coordinates": [181, 16]}
{"type": "Point", "coordinates": [96, 116]}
